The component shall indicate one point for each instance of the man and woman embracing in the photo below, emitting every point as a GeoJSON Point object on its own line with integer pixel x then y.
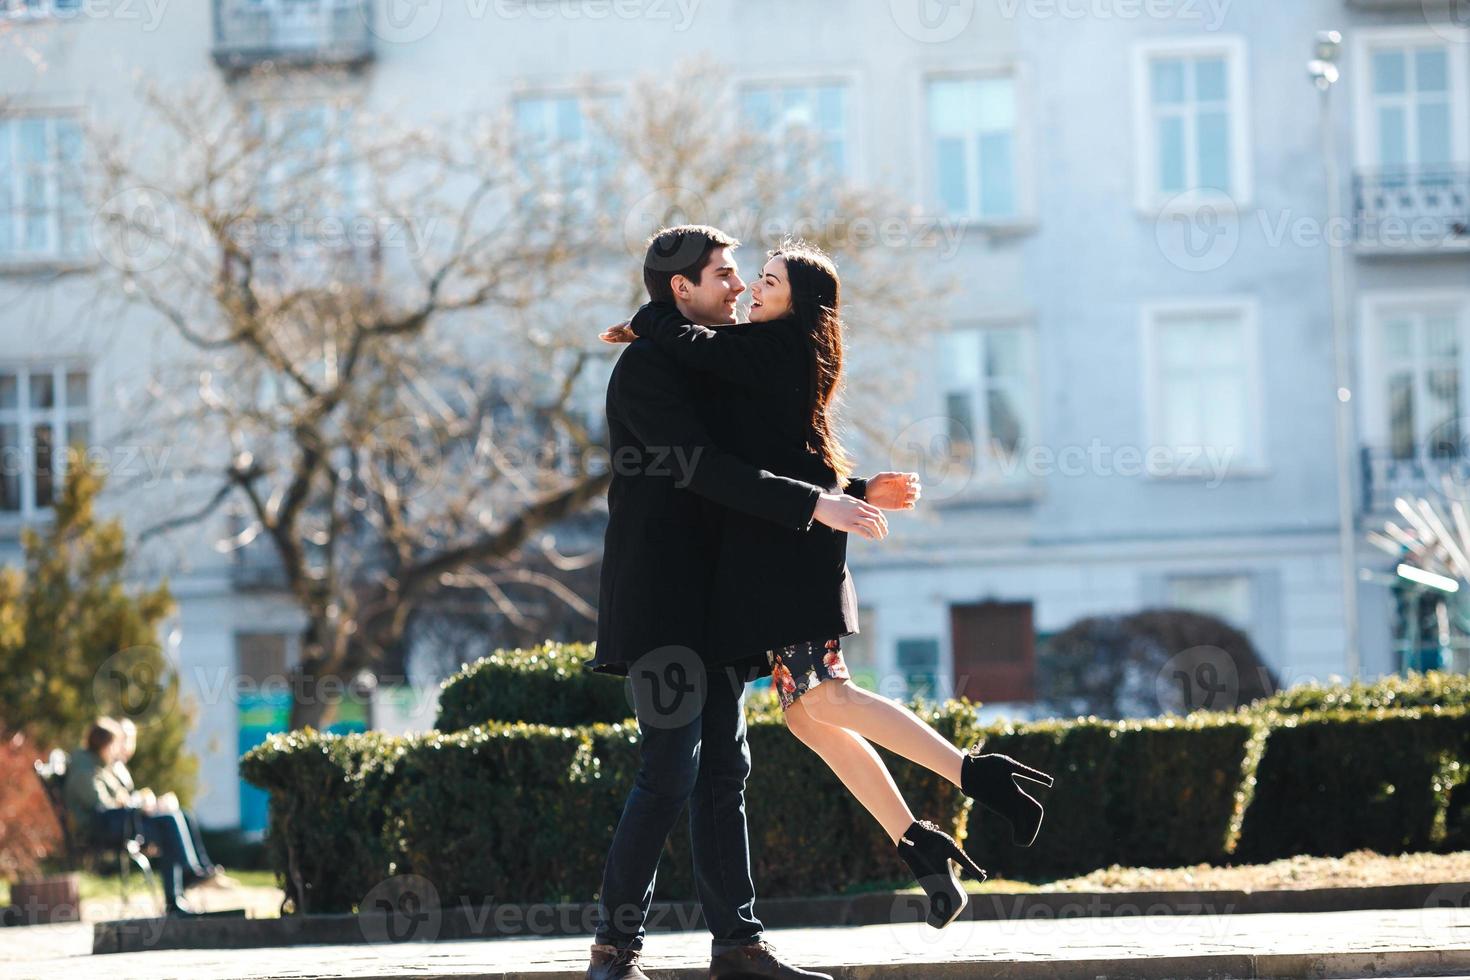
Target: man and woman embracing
{"type": "Point", "coordinates": [736, 568]}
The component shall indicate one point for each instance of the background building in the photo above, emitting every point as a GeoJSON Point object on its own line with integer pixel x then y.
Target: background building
{"type": "Point", "coordinates": [1125, 387]}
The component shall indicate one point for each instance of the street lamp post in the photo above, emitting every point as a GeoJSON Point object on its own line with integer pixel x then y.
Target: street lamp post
{"type": "Point", "coordinates": [1323, 71]}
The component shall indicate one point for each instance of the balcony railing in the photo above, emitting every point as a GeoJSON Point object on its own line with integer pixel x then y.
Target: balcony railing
{"type": "Point", "coordinates": [1387, 474]}
{"type": "Point", "coordinates": [1413, 209]}
{"type": "Point", "coordinates": [329, 32]}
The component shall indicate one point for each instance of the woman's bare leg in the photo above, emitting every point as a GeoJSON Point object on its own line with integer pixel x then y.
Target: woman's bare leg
{"type": "Point", "coordinates": [876, 718]}
{"type": "Point", "coordinates": [859, 767]}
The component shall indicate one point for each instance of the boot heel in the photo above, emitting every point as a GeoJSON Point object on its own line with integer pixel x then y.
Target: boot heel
{"type": "Point", "coordinates": [1026, 772]}
{"type": "Point", "coordinates": [967, 863]}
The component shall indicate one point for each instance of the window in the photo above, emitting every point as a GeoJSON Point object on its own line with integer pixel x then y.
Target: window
{"type": "Point", "coordinates": [1204, 385]}
{"type": "Point", "coordinates": [42, 209]}
{"type": "Point", "coordinates": [559, 144]}
{"type": "Point", "coordinates": [1225, 596]}
{"type": "Point", "coordinates": [972, 129]}
{"type": "Point", "coordinates": [1192, 122]}
{"type": "Point", "coordinates": [918, 663]}
{"type": "Point", "coordinates": [39, 408]}
{"type": "Point", "coordinates": [989, 394]}
{"type": "Point", "coordinates": [1419, 360]}
{"type": "Point", "coordinates": [1411, 101]}
{"type": "Point", "coordinates": [808, 122]}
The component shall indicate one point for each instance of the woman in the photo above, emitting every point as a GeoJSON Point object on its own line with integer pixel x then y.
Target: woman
{"type": "Point", "coordinates": [788, 593]}
{"type": "Point", "coordinates": [101, 806]}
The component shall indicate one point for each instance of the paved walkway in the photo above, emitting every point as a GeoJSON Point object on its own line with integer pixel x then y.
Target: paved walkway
{"type": "Point", "coordinates": [1337, 944]}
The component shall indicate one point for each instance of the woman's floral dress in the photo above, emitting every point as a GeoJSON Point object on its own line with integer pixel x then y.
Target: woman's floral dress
{"type": "Point", "coordinates": [802, 666]}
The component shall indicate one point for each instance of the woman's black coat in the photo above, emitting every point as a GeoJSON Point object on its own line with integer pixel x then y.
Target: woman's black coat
{"type": "Point", "coordinates": [773, 585]}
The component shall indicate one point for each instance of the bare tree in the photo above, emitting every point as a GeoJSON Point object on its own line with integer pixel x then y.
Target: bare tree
{"type": "Point", "coordinates": [390, 373]}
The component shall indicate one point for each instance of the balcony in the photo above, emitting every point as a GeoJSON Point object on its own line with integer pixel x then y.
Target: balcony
{"type": "Point", "coordinates": [1412, 210]}
{"type": "Point", "coordinates": [248, 33]}
{"type": "Point", "coordinates": [1388, 474]}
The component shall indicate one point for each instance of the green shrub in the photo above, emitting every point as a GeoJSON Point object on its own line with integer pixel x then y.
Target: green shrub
{"type": "Point", "coordinates": [1395, 691]}
{"type": "Point", "coordinates": [1339, 781]}
{"type": "Point", "coordinates": [525, 813]}
{"type": "Point", "coordinates": [545, 685]}
{"type": "Point", "coordinates": [327, 798]}
{"type": "Point", "coordinates": [1161, 792]}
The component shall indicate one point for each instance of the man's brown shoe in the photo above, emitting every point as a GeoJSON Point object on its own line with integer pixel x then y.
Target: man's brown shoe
{"type": "Point", "coordinates": [757, 960]}
{"type": "Point", "coordinates": [611, 963]}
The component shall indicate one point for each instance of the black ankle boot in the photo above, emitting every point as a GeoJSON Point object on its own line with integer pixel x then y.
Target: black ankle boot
{"type": "Point", "coordinates": [929, 851]}
{"type": "Point", "coordinates": [990, 781]}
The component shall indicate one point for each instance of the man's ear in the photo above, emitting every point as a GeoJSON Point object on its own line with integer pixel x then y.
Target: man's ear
{"type": "Point", "coordinates": [680, 286]}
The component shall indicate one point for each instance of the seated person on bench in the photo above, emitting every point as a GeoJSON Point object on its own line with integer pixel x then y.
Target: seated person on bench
{"type": "Point", "coordinates": [149, 802]}
{"type": "Point", "coordinates": [101, 806]}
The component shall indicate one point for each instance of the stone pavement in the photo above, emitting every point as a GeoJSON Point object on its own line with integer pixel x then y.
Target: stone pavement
{"type": "Point", "coordinates": [1421, 942]}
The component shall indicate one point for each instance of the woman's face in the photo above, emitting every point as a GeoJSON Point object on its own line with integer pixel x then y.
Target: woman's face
{"type": "Point", "coordinates": [770, 294]}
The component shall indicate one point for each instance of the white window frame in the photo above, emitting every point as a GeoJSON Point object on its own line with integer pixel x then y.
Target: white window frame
{"type": "Point", "coordinates": [853, 136]}
{"type": "Point", "coordinates": [1457, 45]}
{"type": "Point", "coordinates": [1031, 398]}
{"type": "Point", "coordinates": [1256, 461]}
{"type": "Point", "coordinates": [1373, 308]}
{"type": "Point", "coordinates": [52, 252]}
{"type": "Point", "coordinates": [1023, 165]}
{"type": "Point", "coordinates": [1234, 50]}
{"type": "Point", "coordinates": [811, 82]}
{"type": "Point", "coordinates": [25, 418]}
{"type": "Point", "coordinates": [581, 94]}
{"type": "Point", "coordinates": [1230, 574]}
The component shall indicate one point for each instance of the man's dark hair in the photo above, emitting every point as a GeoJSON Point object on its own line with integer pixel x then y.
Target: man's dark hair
{"type": "Point", "coordinates": [680, 251]}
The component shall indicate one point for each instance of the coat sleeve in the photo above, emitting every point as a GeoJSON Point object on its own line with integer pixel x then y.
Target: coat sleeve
{"type": "Point", "coordinates": [745, 357]}
{"type": "Point", "coordinates": [655, 402]}
{"type": "Point", "coordinates": [857, 487]}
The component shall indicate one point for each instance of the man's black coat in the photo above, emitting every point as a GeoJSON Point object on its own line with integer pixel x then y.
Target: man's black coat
{"type": "Point", "coordinates": [670, 488]}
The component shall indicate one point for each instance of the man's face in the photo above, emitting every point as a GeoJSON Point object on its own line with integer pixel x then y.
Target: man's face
{"type": "Point", "coordinates": [711, 302]}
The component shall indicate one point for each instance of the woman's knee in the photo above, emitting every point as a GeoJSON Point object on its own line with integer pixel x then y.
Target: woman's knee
{"type": "Point", "coordinates": [824, 703]}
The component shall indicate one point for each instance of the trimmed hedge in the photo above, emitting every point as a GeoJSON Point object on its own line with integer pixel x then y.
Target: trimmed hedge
{"type": "Point", "coordinates": [1160, 792]}
{"type": "Point", "coordinates": [1338, 781]}
{"type": "Point", "coordinates": [545, 685]}
{"type": "Point", "coordinates": [524, 813]}
{"type": "Point", "coordinates": [328, 795]}
{"type": "Point", "coordinates": [1434, 688]}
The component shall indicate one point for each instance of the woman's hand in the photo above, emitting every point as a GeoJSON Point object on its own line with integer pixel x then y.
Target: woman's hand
{"type": "Point", "coordinates": [841, 512]}
{"type": "Point", "coordinates": [620, 333]}
{"type": "Point", "coordinates": [894, 491]}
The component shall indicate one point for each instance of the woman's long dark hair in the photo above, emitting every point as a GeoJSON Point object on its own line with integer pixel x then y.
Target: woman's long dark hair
{"type": "Point", "coordinates": [816, 306]}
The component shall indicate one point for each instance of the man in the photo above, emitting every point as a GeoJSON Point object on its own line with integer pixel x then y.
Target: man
{"type": "Point", "coordinates": [668, 488]}
{"type": "Point", "coordinates": [151, 803]}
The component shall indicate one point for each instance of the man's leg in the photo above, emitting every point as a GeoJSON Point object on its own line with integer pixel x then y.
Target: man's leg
{"type": "Point", "coordinates": [666, 778]}
{"type": "Point", "coordinates": [164, 831]}
{"type": "Point", "coordinates": [717, 828]}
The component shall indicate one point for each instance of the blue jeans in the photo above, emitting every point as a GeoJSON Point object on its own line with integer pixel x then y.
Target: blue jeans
{"type": "Point", "coordinates": [704, 763]}
{"type": "Point", "coordinates": [167, 831]}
